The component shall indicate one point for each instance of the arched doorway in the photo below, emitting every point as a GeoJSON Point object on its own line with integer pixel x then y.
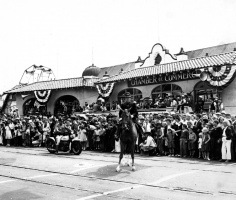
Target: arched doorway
{"type": "Point", "coordinates": [204, 92]}
{"type": "Point", "coordinates": [136, 94]}
{"type": "Point", "coordinates": [32, 107]}
{"type": "Point", "coordinates": [166, 89]}
{"type": "Point", "coordinates": [67, 105]}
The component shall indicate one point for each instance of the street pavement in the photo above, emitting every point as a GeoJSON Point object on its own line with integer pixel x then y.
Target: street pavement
{"type": "Point", "coordinates": [33, 173]}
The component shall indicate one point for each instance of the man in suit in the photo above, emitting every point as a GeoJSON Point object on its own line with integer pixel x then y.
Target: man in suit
{"type": "Point", "coordinates": [198, 125]}
{"type": "Point", "coordinates": [226, 141]}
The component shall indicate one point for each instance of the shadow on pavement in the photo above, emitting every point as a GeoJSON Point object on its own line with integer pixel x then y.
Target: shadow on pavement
{"type": "Point", "coordinates": [21, 194]}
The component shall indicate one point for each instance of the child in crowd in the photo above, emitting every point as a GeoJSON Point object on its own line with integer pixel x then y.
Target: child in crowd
{"type": "Point", "coordinates": [83, 137]}
{"type": "Point", "coordinates": [200, 146]}
{"type": "Point", "coordinates": [159, 141]}
{"type": "Point", "coordinates": [171, 141]}
{"type": "Point", "coordinates": [205, 143]}
{"type": "Point", "coordinates": [184, 141]}
{"type": "Point", "coordinates": [191, 142]}
{"type": "Point", "coordinates": [165, 148]}
{"type": "Point", "coordinates": [97, 137]}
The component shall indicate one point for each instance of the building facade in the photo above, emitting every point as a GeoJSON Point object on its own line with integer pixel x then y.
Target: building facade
{"type": "Point", "coordinates": [159, 74]}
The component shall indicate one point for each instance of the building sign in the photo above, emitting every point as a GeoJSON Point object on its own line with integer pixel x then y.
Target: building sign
{"type": "Point", "coordinates": [162, 78]}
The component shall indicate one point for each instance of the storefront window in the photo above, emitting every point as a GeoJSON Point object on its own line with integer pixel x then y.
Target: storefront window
{"type": "Point", "coordinates": [166, 89]}
{"type": "Point", "coordinates": [32, 107]}
{"type": "Point", "coordinates": [67, 105]}
{"type": "Point", "coordinates": [136, 94]}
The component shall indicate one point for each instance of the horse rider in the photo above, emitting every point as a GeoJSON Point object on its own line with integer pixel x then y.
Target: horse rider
{"type": "Point", "coordinates": [132, 108]}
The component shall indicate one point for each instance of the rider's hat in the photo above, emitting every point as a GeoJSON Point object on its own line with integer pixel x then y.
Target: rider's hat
{"type": "Point", "coordinates": [127, 95]}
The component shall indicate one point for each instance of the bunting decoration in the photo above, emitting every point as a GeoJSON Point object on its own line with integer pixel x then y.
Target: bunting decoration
{"type": "Point", "coordinates": [221, 76]}
{"type": "Point", "coordinates": [106, 89]}
{"type": "Point", "coordinates": [42, 96]}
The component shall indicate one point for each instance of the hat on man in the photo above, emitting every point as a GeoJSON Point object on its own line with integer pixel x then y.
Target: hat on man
{"type": "Point", "coordinates": [227, 122]}
{"type": "Point", "coordinates": [127, 95]}
{"type": "Point", "coordinates": [204, 130]}
{"type": "Point", "coordinates": [141, 117]}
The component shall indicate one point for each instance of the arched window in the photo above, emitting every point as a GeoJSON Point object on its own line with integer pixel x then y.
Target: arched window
{"type": "Point", "coordinates": [136, 94]}
{"type": "Point", "coordinates": [158, 59]}
{"type": "Point", "coordinates": [166, 89]}
{"type": "Point", "coordinates": [67, 105]}
{"type": "Point", "coordinates": [205, 92]}
{"type": "Point", "coordinates": [31, 106]}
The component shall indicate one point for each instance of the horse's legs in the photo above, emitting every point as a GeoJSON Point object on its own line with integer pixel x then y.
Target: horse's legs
{"type": "Point", "coordinates": [132, 156]}
{"type": "Point", "coordinates": [127, 159]}
{"type": "Point", "coordinates": [120, 157]}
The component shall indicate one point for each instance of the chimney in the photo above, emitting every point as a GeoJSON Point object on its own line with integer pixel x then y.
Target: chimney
{"type": "Point", "coordinates": [121, 71]}
{"type": "Point", "coordinates": [106, 75]}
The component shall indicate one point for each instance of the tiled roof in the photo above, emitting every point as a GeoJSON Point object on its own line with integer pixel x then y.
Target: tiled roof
{"type": "Point", "coordinates": [55, 84]}
{"type": "Point", "coordinates": [224, 48]}
{"type": "Point", "coordinates": [196, 63]}
{"type": "Point", "coordinates": [116, 69]}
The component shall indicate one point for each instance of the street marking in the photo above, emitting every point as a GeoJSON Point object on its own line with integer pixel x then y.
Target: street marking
{"type": "Point", "coordinates": [27, 178]}
{"type": "Point", "coordinates": [152, 183]}
{"type": "Point", "coordinates": [89, 167]}
{"type": "Point", "coordinates": [40, 176]}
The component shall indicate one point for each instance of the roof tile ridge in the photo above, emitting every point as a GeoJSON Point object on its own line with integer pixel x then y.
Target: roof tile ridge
{"type": "Point", "coordinates": [197, 58]}
{"type": "Point", "coordinates": [210, 47]}
{"type": "Point", "coordinates": [219, 54]}
{"type": "Point", "coordinates": [118, 65]}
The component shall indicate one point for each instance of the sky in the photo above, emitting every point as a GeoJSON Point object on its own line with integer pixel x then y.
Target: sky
{"type": "Point", "coordinates": [69, 35]}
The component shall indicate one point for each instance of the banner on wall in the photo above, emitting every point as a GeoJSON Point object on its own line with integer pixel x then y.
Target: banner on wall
{"type": "Point", "coordinates": [42, 96]}
{"type": "Point", "coordinates": [105, 90]}
{"type": "Point", "coordinates": [221, 76]}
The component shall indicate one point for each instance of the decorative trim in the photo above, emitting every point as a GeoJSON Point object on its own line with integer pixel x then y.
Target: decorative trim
{"type": "Point", "coordinates": [42, 96]}
{"type": "Point", "coordinates": [221, 76]}
{"type": "Point", "coordinates": [163, 49]}
{"type": "Point", "coordinates": [105, 90]}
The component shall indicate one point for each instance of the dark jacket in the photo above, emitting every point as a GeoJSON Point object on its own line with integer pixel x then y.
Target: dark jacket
{"type": "Point", "coordinates": [132, 107]}
{"type": "Point", "coordinates": [228, 133]}
{"type": "Point", "coordinates": [198, 127]}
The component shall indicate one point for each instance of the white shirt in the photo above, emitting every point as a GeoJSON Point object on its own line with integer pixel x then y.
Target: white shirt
{"type": "Point", "coordinates": [173, 103]}
{"type": "Point", "coordinates": [150, 142]}
{"type": "Point", "coordinates": [199, 143]}
{"type": "Point", "coordinates": [147, 127]}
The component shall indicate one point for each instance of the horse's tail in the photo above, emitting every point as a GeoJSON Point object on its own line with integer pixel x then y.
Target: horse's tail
{"type": "Point", "coordinates": [139, 131]}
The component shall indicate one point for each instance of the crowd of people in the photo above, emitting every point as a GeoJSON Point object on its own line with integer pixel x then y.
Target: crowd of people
{"type": "Point", "coordinates": [210, 136]}
{"type": "Point", "coordinates": [176, 103]}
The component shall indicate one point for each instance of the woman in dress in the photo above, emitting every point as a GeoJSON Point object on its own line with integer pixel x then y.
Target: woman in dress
{"type": "Point", "coordinates": [83, 137]}
{"type": "Point", "coordinates": [206, 143]}
{"type": "Point", "coordinates": [8, 134]}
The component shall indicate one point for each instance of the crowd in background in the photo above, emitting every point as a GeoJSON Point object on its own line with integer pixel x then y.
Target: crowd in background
{"type": "Point", "coordinates": [206, 136]}
{"type": "Point", "coordinates": [176, 103]}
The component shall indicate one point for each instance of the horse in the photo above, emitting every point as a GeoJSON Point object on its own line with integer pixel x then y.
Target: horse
{"type": "Point", "coordinates": [128, 138]}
